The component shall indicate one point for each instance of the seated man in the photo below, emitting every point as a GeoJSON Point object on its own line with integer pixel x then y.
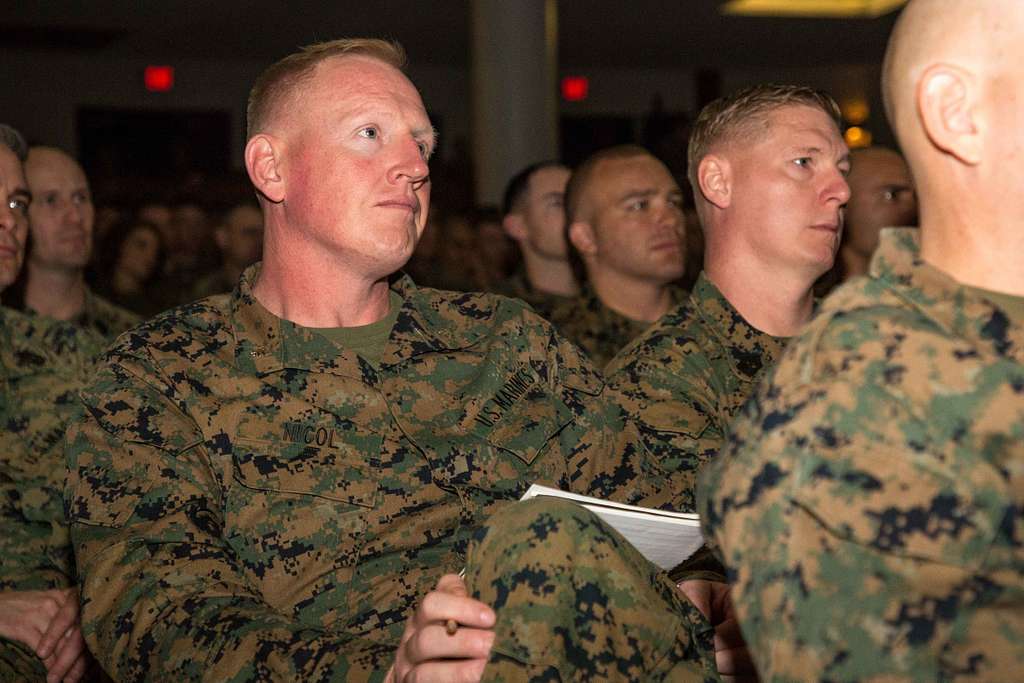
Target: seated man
{"type": "Point", "coordinates": [767, 165]}
{"type": "Point", "coordinates": [42, 364]}
{"type": "Point", "coordinates": [534, 216]}
{"type": "Point", "coordinates": [269, 484]}
{"type": "Point", "coordinates": [61, 221]}
{"type": "Point", "coordinates": [870, 502]}
{"type": "Point", "coordinates": [625, 224]}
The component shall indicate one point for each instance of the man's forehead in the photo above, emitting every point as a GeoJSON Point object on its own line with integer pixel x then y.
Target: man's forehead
{"type": "Point", "coordinates": [550, 179]}
{"type": "Point", "coordinates": [641, 172]}
{"type": "Point", "coordinates": [800, 120]}
{"type": "Point", "coordinates": [48, 165]}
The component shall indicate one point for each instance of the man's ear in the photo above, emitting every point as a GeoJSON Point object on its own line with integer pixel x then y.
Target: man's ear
{"type": "Point", "coordinates": [948, 104]}
{"type": "Point", "coordinates": [714, 175]}
{"type": "Point", "coordinates": [262, 162]}
{"type": "Point", "coordinates": [515, 226]}
{"type": "Point", "coordinates": [581, 235]}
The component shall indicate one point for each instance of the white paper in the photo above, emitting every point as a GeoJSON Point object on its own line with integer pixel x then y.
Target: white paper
{"type": "Point", "coordinates": [664, 538]}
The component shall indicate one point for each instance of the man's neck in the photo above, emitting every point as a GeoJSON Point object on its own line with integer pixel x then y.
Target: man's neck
{"type": "Point", "coordinates": [549, 276]}
{"type": "Point", "coordinates": [771, 300]}
{"type": "Point", "coordinates": [55, 292]}
{"type": "Point", "coordinates": [295, 287]}
{"type": "Point", "coordinates": [641, 300]}
{"type": "Point", "coordinates": [979, 253]}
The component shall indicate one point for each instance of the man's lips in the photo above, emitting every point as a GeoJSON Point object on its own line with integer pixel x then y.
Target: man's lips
{"type": "Point", "coordinates": [828, 227]}
{"type": "Point", "coordinates": [400, 203]}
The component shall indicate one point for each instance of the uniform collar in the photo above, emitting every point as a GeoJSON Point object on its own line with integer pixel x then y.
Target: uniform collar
{"type": "Point", "coordinates": [961, 311]}
{"type": "Point", "coordinates": [266, 343]}
{"type": "Point", "coordinates": [749, 349]}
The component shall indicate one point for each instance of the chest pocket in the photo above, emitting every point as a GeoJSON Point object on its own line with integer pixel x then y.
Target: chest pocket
{"type": "Point", "coordinates": [499, 442]}
{"type": "Point", "coordinates": [296, 515]}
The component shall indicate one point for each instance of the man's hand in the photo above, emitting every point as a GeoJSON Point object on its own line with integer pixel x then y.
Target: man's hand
{"type": "Point", "coordinates": [47, 622]}
{"type": "Point", "coordinates": [430, 651]}
{"type": "Point", "coordinates": [731, 654]}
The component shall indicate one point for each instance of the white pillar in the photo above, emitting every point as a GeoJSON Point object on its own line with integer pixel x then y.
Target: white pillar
{"type": "Point", "coordinates": [514, 58]}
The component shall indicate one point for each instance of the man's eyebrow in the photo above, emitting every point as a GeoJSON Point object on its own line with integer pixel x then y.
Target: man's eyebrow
{"type": "Point", "coordinates": [638, 194]}
{"type": "Point", "coordinates": [430, 134]}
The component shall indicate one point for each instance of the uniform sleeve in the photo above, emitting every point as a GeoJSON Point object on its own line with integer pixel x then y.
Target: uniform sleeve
{"type": "Point", "coordinates": [858, 522]}
{"type": "Point", "coordinates": [163, 594]}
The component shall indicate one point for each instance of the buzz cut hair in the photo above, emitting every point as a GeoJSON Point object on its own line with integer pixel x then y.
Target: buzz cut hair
{"type": "Point", "coordinates": [276, 84]}
{"type": "Point", "coordinates": [581, 178]}
{"type": "Point", "coordinates": [520, 183]}
{"type": "Point", "coordinates": [745, 113]}
{"type": "Point", "coordinates": [14, 141]}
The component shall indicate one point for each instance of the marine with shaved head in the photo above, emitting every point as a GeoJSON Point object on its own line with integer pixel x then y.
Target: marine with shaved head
{"type": "Point", "coordinates": [870, 503]}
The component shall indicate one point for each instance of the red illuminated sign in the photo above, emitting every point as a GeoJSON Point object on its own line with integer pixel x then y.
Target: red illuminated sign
{"type": "Point", "coordinates": [158, 78]}
{"type": "Point", "coordinates": [575, 88]}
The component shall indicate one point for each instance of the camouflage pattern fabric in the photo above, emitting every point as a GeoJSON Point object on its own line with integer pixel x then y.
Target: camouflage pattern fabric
{"type": "Point", "coordinates": [597, 329]}
{"type": "Point", "coordinates": [686, 377]}
{"type": "Point", "coordinates": [249, 501]}
{"type": "Point", "coordinates": [18, 664]}
{"type": "Point", "coordinates": [576, 602]}
{"type": "Point", "coordinates": [870, 502]}
{"type": "Point", "coordinates": [106, 318]}
{"type": "Point", "coordinates": [43, 362]}
{"type": "Point", "coordinates": [517, 286]}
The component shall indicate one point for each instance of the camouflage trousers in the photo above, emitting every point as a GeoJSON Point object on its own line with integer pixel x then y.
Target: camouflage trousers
{"type": "Point", "coordinates": [577, 602]}
{"type": "Point", "coordinates": [18, 663]}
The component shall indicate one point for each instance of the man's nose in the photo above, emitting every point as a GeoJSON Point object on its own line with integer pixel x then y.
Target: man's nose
{"type": "Point", "coordinates": [409, 163]}
{"type": "Point", "coordinates": [837, 188]}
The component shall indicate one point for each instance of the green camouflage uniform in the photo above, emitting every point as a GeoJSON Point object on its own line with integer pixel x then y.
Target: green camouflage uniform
{"type": "Point", "coordinates": [870, 502]}
{"type": "Point", "coordinates": [517, 286]}
{"type": "Point", "coordinates": [685, 378]}
{"type": "Point", "coordinates": [43, 362]}
{"type": "Point", "coordinates": [597, 329]}
{"type": "Point", "coordinates": [249, 500]}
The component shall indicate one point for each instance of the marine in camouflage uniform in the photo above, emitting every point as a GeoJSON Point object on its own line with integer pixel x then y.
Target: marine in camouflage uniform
{"type": "Point", "coordinates": [43, 363]}
{"type": "Point", "coordinates": [249, 500]}
{"type": "Point", "coordinates": [597, 329]}
{"type": "Point", "coordinates": [685, 378]}
{"type": "Point", "coordinates": [869, 502]}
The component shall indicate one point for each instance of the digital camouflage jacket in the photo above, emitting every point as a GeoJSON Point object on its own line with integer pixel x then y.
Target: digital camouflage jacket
{"type": "Point", "coordinates": [685, 378]}
{"type": "Point", "coordinates": [43, 363]}
{"type": "Point", "coordinates": [249, 500]}
{"type": "Point", "coordinates": [870, 502]}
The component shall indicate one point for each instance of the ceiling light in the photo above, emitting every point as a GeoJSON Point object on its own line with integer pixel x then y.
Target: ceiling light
{"type": "Point", "coordinates": [812, 8]}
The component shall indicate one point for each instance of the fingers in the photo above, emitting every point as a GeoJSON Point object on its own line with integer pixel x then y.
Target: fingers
{"type": "Point", "coordinates": [698, 592]}
{"type": "Point", "coordinates": [65, 619]}
{"type": "Point", "coordinates": [451, 602]}
{"type": "Point", "coordinates": [467, 671]}
{"type": "Point", "coordinates": [433, 642]}
{"type": "Point", "coordinates": [70, 650]}
{"type": "Point", "coordinates": [77, 672]}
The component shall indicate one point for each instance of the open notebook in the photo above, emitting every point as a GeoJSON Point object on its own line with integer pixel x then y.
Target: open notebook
{"type": "Point", "coordinates": [664, 538]}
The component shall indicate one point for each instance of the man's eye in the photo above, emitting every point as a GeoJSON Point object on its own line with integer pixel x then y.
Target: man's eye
{"type": "Point", "coordinates": [19, 205]}
{"type": "Point", "coordinates": [80, 198]}
{"type": "Point", "coordinates": [637, 205]}
{"type": "Point", "coordinates": [424, 150]}
{"type": "Point", "coordinates": [802, 161]}
{"type": "Point", "coordinates": [370, 133]}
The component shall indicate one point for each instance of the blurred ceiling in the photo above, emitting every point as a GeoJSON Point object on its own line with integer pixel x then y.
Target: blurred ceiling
{"type": "Point", "coordinates": [597, 33]}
